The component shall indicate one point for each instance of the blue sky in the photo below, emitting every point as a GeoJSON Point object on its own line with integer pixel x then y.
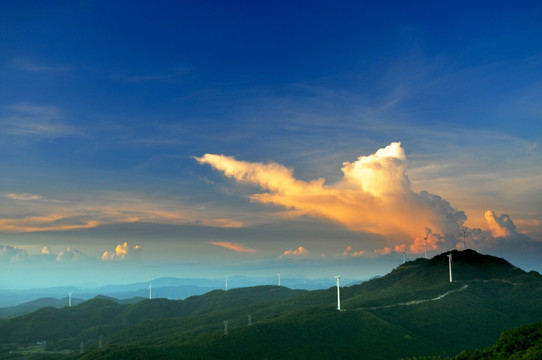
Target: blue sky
{"type": "Point", "coordinates": [108, 108]}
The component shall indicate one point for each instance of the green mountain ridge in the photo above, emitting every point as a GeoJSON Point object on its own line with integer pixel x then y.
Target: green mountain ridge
{"type": "Point", "coordinates": [412, 311]}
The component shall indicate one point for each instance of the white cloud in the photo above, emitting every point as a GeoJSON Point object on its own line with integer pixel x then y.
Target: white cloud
{"type": "Point", "coordinates": [10, 253]}
{"type": "Point", "coordinates": [70, 254]}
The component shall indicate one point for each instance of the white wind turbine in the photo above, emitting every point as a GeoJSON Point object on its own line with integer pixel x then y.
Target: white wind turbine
{"type": "Point", "coordinates": [279, 278]}
{"type": "Point", "coordinates": [70, 298]}
{"type": "Point", "coordinates": [150, 290]}
{"type": "Point", "coordinates": [338, 277]}
{"type": "Point", "coordinates": [450, 265]}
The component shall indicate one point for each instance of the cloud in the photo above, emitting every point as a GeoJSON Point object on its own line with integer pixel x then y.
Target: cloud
{"type": "Point", "coordinates": [70, 254]}
{"type": "Point", "coordinates": [92, 210]}
{"type": "Point", "coordinates": [120, 252]}
{"type": "Point", "coordinates": [10, 253]}
{"type": "Point", "coordinates": [348, 252]}
{"type": "Point", "coordinates": [35, 120]}
{"type": "Point", "coordinates": [233, 246]}
{"type": "Point", "coordinates": [299, 251]}
{"type": "Point", "coordinates": [54, 222]}
{"type": "Point", "coordinates": [374, 196]}
{"type": "Point", "coordinates": [384, 251]}
{"type": "Point", "coordinates": [501, 226]}
{"type": "Point", "coordinates": [45, 250]}
{"type": "Point", "coordinates": [23, 197]}
{"type": "Point", "coordinates": [34, 67]}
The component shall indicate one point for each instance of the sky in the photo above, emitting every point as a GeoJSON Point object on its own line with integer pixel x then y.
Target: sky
{"type": "Point", "coordinates": [306, 138]}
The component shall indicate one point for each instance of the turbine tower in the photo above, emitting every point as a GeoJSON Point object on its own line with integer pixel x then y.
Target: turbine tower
{"type": "Point", "coordinates": [70, 299]}
{"type": "Point", "coordinates": [425, 238]}
{"type": "Point", "coordinates": [338, 277]}
{"type": "Point", "coordinates": [279, 278]}
{"type": "Point", "coordinates": [450, 265]}
{"type": "Point", "coordinates": [226, 283]}
{"type": "Point", "coordinates": [150, 290]}
{"type": "Point", "coordinates": [427, 235]}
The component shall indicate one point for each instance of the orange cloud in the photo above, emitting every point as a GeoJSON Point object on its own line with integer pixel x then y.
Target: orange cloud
{"type": "Point", "coordinates": [299, 251]}
{"type": "Point", "coordinates": [62, 215]}
{"type": "Point", "coordinates": [233, 246]}
{"type": "Point", "coordinates": [348, 252]}
{"type": "Point", "coordinates": [400, 248]}
{"type": "Point", "coordinates": [384, 251]}
{"type": "Point", "coordinates": [45, 250]}
{"type": "Point", "coordinates": [121, 251]}
{"type": "Point", "coordinates": [374, 196]}
{"type": "Point", "coordinates": [501, 226]}
{"type": "Point", "coordinates": [43, 223]}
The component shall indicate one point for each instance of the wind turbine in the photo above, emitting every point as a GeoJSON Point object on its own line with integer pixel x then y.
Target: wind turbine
{"type": "Point", "coordinates": [338, 277]}
{"type": "Point", "coordinates": [279, 278]}
{"type": "Point", "coordinates": [450, 265]}
{"type": "Point", "coordinates": [150, 290]}
{"type": "Point", "coordinates": [70, 299]}
{"type": "Point", "coordinates": [226, 283]}
{"type": "Point", "coordinates": [427, 234]}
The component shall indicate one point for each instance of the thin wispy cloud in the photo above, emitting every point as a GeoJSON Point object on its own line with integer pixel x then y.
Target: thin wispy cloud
{"type": "Point", "coordinates": [35, 120]}
{"type": "Point", "coordinates": [89, 211]}
{"type": "Point", "coordinates": [23, 197]}
{"type": "Point", "coordinates": [233, 246]}
{"type": "Point", "coordinates": [37, 67]}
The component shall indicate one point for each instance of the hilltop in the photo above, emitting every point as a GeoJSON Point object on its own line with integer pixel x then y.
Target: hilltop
{"type": "Point", "coordinates": [412, 311]}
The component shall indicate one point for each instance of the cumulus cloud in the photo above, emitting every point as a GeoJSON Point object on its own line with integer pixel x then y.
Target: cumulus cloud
{"type": "Point", "coordinates": [70, 254]}
{"type": "Point", "coordinates": [120, 252]}
{"type": "Point", "coordinates": [233, 246]}
{"type": "Point", "coordinates": [10, 253]}
{"type": "Point", "coordinates": [299, 251]}
{"type": "Point", "coordinates": [384, 251]}
{"type": "Point", "coordinates": [501, 226]}
{"type": "Point", "coordinates": [349, 252]}
{"type": "Point", "coordinates": [374, 196]}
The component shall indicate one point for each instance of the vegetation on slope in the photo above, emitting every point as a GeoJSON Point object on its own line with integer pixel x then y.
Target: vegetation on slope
{"type": "Point", "coordinates": [413, 311]}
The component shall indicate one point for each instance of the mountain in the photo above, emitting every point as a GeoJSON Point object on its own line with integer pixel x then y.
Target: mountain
{"type": "Point", "coordinates": [31, 306]}
{"type": "Point", "coordinates": [412, 311]}
{"type": "Point", "coordinates": [164, 287]}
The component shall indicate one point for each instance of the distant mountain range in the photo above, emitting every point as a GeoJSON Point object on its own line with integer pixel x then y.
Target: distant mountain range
{"type": "Point", "coordinates": [413, 311]}
{"type": "Point", "coordinates": [165, 287]}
